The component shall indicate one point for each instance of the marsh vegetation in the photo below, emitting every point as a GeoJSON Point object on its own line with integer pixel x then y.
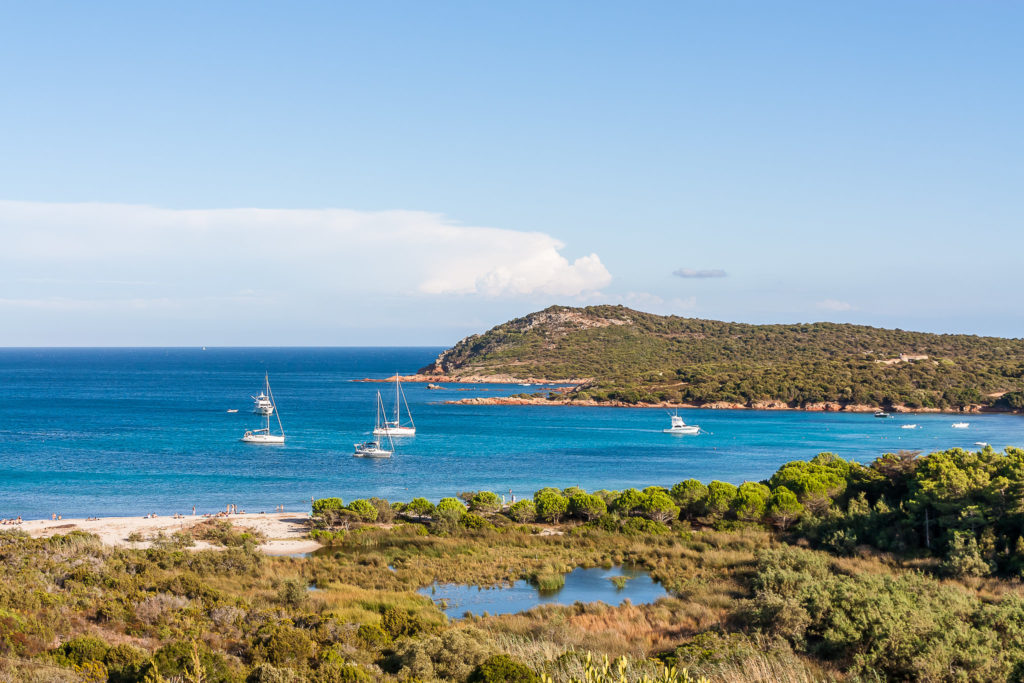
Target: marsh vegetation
{"type": "Point", "coordinates": [907, 569]}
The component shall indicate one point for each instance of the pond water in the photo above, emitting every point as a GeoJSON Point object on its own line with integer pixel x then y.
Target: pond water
{"type": "Point", "coordinates": [581, 585]}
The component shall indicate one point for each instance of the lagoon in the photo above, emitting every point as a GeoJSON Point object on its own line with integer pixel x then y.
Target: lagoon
{"type": "Point", "coordinates": [97, 432]}
{"type": "Point", "coordinates": [581, 585]}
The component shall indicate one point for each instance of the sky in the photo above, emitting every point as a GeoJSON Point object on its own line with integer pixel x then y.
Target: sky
{"type": "Point", "coordinates": [407, 172]}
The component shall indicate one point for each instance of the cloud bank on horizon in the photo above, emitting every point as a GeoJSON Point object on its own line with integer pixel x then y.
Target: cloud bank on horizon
{"type": "Point", "coordinates": [263, 251]}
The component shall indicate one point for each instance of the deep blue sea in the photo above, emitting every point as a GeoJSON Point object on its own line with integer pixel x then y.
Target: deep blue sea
{"type": "Point", "coordinates": [130, 431]}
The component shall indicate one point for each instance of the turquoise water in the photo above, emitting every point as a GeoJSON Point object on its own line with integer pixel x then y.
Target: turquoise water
{"type": "Point", "coordinates": [131, 431]}
{"type": "Point", "coordinates": [581, 585]}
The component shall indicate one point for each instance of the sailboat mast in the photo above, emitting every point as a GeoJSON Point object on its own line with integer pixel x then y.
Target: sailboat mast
{"type": "Point", "coordinates": [407, 411]}
{"type": "Point", "coordinates": [398, 388]}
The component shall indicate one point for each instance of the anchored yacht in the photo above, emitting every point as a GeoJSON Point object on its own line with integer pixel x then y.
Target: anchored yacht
{"type": "Point", "coordinates": [264, 435]}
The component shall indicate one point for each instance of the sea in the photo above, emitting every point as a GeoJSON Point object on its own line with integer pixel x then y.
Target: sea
{"type": "Point", "coordinates": [133, 431]}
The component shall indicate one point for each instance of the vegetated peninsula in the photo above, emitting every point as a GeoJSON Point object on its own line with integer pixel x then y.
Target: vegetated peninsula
{"type": "Point", "coordinates": [618, 356]}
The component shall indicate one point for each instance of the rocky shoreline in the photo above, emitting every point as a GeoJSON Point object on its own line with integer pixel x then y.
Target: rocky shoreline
{"type": "Point", "coordinates": [825, 407]}
{"type": "Point", "coordinates": [476, 379]}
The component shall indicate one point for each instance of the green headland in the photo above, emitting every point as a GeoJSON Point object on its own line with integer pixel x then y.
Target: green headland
{"type": "Point", "coordinates": [616, 355]}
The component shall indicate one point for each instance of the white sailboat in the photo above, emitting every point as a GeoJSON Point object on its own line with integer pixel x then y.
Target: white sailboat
{"type": "Point", "coordinates": [263, 435]}
{"type": "Point", "coordinates": [680, 427]}
{"type": "Point", "coordinates": [375, 449]}
{"type": "Point", "coordinates": [395, 427]}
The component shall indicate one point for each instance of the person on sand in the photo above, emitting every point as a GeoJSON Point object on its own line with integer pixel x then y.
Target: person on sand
{"type": "Point", "coordinates": [193, 510]}
{"type": "Point", "coordinates": [53, 516]}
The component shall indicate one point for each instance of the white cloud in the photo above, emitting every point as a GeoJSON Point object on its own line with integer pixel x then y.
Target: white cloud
{"type": "Point", "coordinates": [701, 274]}
{"type": "Point", "coordinates": [833, 305]}
{"type": "Point", "coordinates": [64, 249]}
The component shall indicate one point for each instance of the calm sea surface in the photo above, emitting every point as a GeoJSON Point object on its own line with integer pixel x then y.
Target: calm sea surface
{"type": "Point", "coordinates": [131, 431]}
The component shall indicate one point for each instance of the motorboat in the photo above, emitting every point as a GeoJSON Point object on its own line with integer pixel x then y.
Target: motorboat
{"type": "Point", "coordinates": [913, 426]}
{"type": "Point", "coordinates": [680, 427]}
{"type": "Point", "coordinates": [264, 435]}
{"type": "Point", "coordinates": [960, 425]}
{"type": "Point", "coordinates": [882, 413]}
{"type": "Point", "coordinates": [371, 449]}
{"type": "Point", "coordinates": [262, 405]}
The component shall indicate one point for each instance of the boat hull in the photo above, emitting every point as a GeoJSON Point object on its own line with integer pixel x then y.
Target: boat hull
{"type": "Point", "coordinates": [394, 431]}
{"type": "Point", "coordinates": [688, 429]}
{"type": "Point", "coordinates": [263, 438]}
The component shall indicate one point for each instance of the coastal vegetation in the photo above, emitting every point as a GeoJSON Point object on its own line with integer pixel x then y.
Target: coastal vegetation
{"type": "Point", "coordinates": [626, 356]}
{"type": "Point", "coordinates": [908, 568]}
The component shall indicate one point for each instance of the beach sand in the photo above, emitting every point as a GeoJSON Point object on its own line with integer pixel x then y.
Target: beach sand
{"type": "Point", "coordinates": [285, 531]}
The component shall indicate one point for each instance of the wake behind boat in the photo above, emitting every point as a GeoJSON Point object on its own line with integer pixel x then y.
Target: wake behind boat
{"type": "Point", "coordinates": [680, 427]}
{"type": "Point", "coordinates": [264, 436]}
{"type": "Point", "coordinates": [375, 449]}
{"type": "Point", "coordinates": [395, 427]}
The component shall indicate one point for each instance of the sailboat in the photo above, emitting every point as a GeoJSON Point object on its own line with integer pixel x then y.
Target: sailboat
{"type": "Point", "coordinates": [263, 435]}
{"type": "Point", "coordinates": [375, 449]}
{"type": "Point", "coordinates": [395, 427]}
{"type": "Point", "coordinates": [680, 427]}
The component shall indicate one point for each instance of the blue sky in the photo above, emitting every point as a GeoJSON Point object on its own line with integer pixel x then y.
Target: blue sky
{"type": "Point", "coordinates": [409, 172]}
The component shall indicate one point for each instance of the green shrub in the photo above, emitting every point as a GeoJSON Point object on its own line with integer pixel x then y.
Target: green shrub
{"type": "Point", "coordinates": [523, 511]}
{"type": "Point", "coordinates": [372, 635]}
{"type": "Point", "coordinates": [82, 649]}
{"type": "Point", "coordinates": [397, 622]}
{"type": "Point", "coordinates": [550, 505]}
{"type": "Point", "coordinates": [502, 669]}
{"type": "Point", "coordinates": [125, 663]}
{"type": "Point", "coordinates": [363, 509]}
{"type": "Point", "coordinates": [419, 507]}
{"type": "Point", "coordinates": [282, 645]}
{"type": "Point", "coordinates": [322, 505]}
{"type": "Point", "coordinates": [475, 522]}
{"type": "Point", "coordinates": [485, 502]}
{"type": "Point", "coordinates": [587, 507]}
{"type": "Point", "coordinates": [450, 510]}
{"type": "Point", "coordinates": [451, 655]}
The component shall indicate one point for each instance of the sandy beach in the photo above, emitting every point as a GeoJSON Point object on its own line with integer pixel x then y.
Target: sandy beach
{"type": "Point", "coordinates": [285, 531]}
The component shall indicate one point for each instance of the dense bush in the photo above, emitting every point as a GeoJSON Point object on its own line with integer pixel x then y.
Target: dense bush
{"type": "Point", "coordinates": [502, 669]}
{"type": "Point", "coordinates": [523, 511]}
{"type": "Point", "coordinates": [485, 502]}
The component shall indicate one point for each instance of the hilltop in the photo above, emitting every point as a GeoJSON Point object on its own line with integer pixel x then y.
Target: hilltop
{"type": "Point", "coordinates": [619, 355]}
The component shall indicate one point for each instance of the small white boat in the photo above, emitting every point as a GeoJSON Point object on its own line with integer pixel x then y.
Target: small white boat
{"type": "Point", "coordinates": [680, 427]}
{"type": "Point", "coordinates": [913, 426]}
{"type": "Point", "coordinates": [375, 449]}
{"type": "Point", "coordinates": [232, 410]}
{"type": "Point", "coordinates": [264, 435]}
{"type": "Point", "coordinates": [882, 413]}
{"type": "Point", "coordinates": [960, 425]}
{"type": "Point", "coordinates": [371, 449]}
{"type": "Point", "coordinates": [983, 444]}
{"type": "Point", "coordinates": [262, 405]}
{"type": "Point", "coordinates": [395, 427]}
